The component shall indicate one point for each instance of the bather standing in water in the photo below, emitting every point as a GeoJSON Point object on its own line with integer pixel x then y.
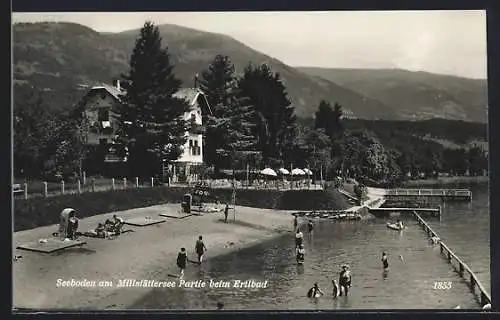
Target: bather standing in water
{"type": "Point", "coordinates": [336, 289]}
{"type": "Point", "coordinates": [345, 280]}
{"type": "Point", "coordinates": [310, 226]}
{"type": "Point", "coordinates": [385, 261]}
{"type": "Point", "coordinates": [295, 222]}
{"type": "Point", "coordinates": [299, 237]}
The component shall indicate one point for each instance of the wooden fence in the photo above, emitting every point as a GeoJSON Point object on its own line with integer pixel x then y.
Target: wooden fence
{"type": "Point", "coordinates": [464, 270]}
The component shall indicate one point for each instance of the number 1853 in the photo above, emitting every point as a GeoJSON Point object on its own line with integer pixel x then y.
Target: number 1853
{"type": "Point", "coordinates": [440, 285]}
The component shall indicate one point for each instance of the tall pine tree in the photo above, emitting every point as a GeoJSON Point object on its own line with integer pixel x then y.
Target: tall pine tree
{"type": "Point", "coordinates": [151, 120]}
{"type": "Point", "coordinates": [229, 128]}
{"type": "Point", "coordinates": [275, 116]}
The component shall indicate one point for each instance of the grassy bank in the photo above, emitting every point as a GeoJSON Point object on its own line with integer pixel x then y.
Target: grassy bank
{"type": "Point", "coordinates": [39, 212]}
{"type": "Point", "coordinates": [446, 182]}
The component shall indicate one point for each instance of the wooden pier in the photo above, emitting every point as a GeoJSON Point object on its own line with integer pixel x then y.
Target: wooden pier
{"type": "Point", "coordinates": [464, 270]}
{"type": "Point", "coordinates": [452, 194]}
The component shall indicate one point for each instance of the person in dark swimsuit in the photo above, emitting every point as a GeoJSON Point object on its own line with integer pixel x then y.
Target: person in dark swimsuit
{"type": "Point", "coordinates": [301, 252]}
{"type": "Point", "coordinates": [385, 262]}
{"type": "Point", "coordinates": [200, 248]}
{"type": "Point", "coordinates": [295, 223]}
{"type": "Point", "coordinates": [182, 261]}
{"type": "Point", "coordinates": [315, 291]}
{"type": "Point", "coordinates": [72, 226]}
{"type": "Point", "coordinates": [344, 281]}
{"type": "Point", "coordinates": [310, 226]}
{"type": "Point", "coordinates": [226, 212]}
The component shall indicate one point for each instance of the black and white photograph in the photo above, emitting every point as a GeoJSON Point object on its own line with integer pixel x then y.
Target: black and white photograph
{"type": "Point", "coordinates": [322, 160]}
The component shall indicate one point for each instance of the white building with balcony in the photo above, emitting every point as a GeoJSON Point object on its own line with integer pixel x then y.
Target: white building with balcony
{"type": "Point", "coordinates": [101, 125]}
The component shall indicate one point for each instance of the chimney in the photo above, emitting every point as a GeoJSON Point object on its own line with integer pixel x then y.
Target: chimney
{"type": "Point", "coordinates": [116, 83]}
{"type": "Point", "coordinates": [196, 81]}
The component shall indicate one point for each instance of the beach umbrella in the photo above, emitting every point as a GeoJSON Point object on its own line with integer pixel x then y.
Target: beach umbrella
{"type": "Point", "coordinates": [298, 172]}
{"type": "Point", "coordinates": [307, 171]}
{"type": "Point", "coordinates": [284, 171]}
{"type": "Point", "coordinates": [268, 172]}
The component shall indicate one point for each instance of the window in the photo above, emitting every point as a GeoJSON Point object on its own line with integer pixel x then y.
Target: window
{"type": "Point", "coordinates": [103, 115]}
{"type": "Point", "coordinates": [194, 147]}
{"type": "Point", "coordinates": [190, 147]}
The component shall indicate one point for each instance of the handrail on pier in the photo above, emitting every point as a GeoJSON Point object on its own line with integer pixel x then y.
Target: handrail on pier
{"type": "Point", "coordinates": [473, 280]}
{"type": "Point", "coordinates": [430, 192]}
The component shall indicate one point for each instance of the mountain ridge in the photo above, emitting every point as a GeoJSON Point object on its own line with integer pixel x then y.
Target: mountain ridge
{"type": "Point", "coordinates": [55, 57]}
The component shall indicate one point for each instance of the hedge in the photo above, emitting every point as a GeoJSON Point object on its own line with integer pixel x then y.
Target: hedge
{"type": "Point", "coordinates": [37, 212]}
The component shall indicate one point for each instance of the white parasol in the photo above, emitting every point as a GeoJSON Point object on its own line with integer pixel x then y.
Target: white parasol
{"type": "Point", "coordinates": [284, 171]}
{"type": "Point", "coordinates": [298, 172]}
{"type": "Point", "coordinates": [307, 171]}
{"type": "Point", "coordinates": [268, 172]}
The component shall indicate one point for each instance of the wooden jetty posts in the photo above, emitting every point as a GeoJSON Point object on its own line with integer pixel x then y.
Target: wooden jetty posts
{"type": "Point", "coordinates": [464, 270]}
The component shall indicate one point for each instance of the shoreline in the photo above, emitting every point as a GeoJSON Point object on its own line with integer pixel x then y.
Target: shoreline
{"type": "Point", "coordinates": [147, 253]}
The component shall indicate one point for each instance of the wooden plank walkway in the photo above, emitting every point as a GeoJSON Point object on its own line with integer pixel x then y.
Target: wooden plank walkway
{"type": "Point", "coordinates": [463, 269]}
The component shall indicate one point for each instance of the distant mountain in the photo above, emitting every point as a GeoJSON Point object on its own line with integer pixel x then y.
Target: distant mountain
{"type": "Point", "coordinates": [62, 59]}
{"type": "Point", "coordinates": [58, 57]}
{"type": "Point", "coordinates": [415, 95]}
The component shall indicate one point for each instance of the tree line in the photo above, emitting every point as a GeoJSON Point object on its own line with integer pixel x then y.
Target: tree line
{"type": "Point", "coordinates": [252, 123]}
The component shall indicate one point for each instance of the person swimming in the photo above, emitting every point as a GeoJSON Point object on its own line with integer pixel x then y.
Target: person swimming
{"type": "Point", "coordinates": [301, 254]}
{"type": "Point", "coordinates": [385, 261]}
{"type": "Point", "coordinates": [400, 225]}
{"type": "Point", "coordinates": [299, 237]}
{"type": "Point", "coordinates": [315, 291]}
{"type": "Point", "coordinates": [336, 289]}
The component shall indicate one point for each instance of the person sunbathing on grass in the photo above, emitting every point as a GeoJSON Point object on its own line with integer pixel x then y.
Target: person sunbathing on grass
{"type": "Point", "coordinates": [109, 225]}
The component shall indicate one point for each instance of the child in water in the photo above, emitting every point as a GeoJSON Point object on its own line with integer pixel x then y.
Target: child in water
{"type": "Point", "coordinates": [336, 290]}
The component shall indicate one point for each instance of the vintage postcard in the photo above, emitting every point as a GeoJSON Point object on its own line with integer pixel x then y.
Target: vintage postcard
{"type": "Point", "coordinates": [250, 160]}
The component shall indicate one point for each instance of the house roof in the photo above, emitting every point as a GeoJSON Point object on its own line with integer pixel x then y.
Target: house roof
{"type": "Point", "coordinates": [188, 94]}
{"type": "Point", "coordinates": [112, 90]}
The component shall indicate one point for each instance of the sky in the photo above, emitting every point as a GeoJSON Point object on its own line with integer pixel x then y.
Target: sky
{"type": "Point", "coordinates": [445, 42]}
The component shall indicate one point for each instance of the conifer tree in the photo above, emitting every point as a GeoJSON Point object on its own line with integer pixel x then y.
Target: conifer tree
{"type": "Point", "coordinates": [229, 128]}
{"type": "Point", "coordinates": [151, 119]}
{"type": "Point", "coordinates": [274, 117]}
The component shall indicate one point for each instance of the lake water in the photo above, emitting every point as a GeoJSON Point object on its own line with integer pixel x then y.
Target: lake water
{"type": "Point", "coordinates": [415, 265]}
